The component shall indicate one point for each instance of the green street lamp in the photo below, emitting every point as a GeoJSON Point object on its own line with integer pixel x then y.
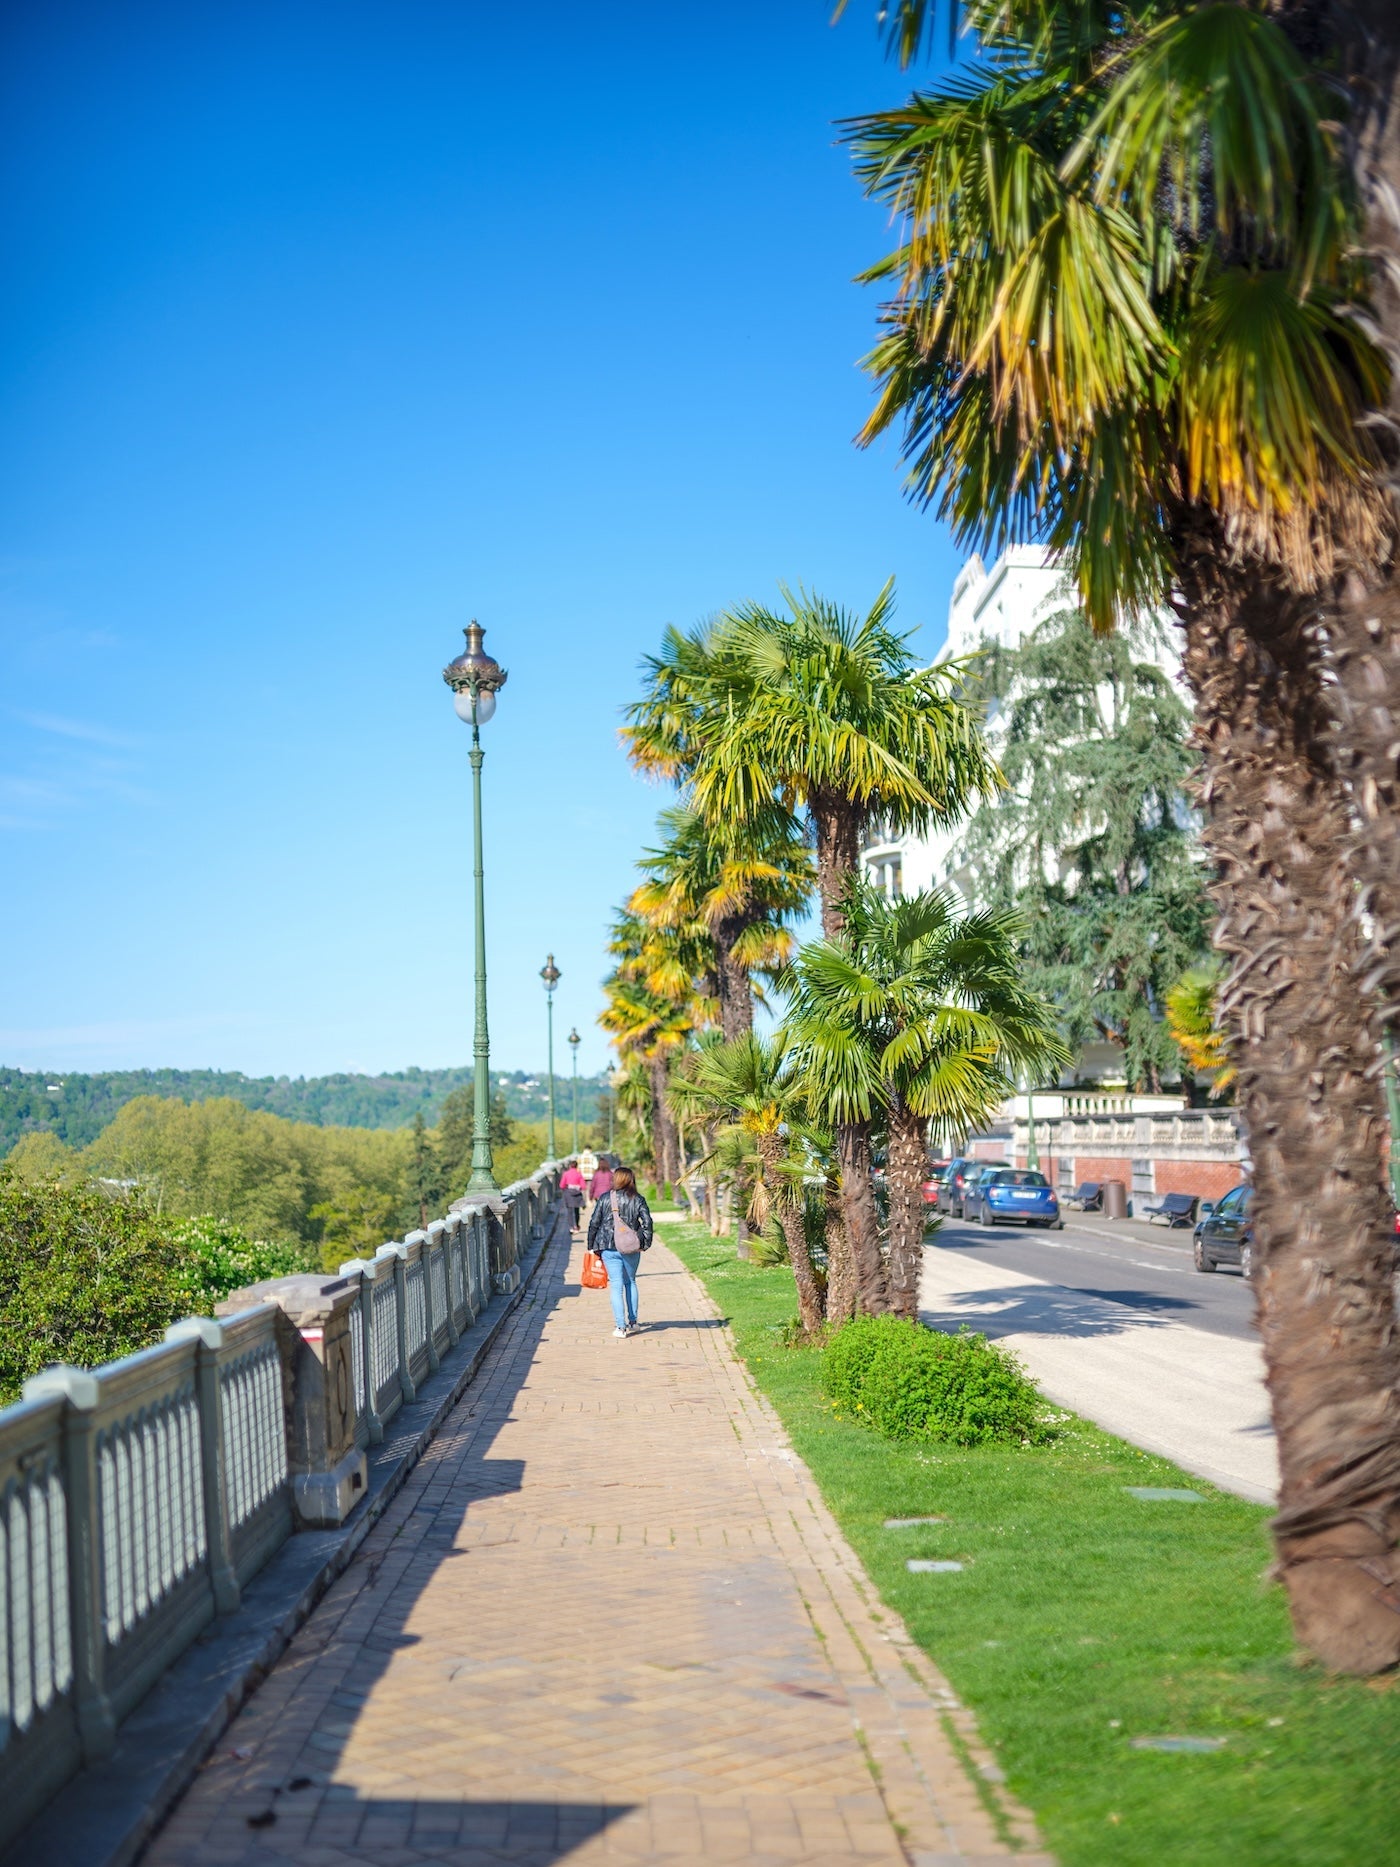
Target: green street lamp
{"type": "Point", "coordinates": [549, 972]}
{"type": "Point", "coordinates": [475, 679]}
{"type": "Point", "coordinates": [574, 1041]}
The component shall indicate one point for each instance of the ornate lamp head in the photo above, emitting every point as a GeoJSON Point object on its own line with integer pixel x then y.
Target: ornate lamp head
{"type": "Point", "coordinates": [475, 679]}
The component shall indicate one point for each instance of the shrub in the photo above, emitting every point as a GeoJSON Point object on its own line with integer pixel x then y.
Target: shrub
{"type": "Point", "coordinates": [909, 1382]}
{"type": "Point", "coordinates": [84, 1277]}
{"type": "Point", "coordinates": [217, 1258]}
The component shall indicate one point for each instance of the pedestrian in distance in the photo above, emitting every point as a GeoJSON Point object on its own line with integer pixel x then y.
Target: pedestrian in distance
{"type": "Point", "coordinates": [602, 1180]}
{"type": "Point", "coordinates": [620, 1231]}
{"type": "Point", "coordinates": [571, 1186]}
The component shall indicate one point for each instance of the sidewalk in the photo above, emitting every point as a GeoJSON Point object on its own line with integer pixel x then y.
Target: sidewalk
{"type": "Point", "coordinates": [1196, 1397]}
{"type": "Point", "coordinates": [608, 1619]}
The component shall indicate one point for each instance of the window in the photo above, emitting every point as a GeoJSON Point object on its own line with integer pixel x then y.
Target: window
{"type": "Point", "coordinates": [1232, 1205]}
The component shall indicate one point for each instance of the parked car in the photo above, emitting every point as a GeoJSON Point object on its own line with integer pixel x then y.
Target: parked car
{"type": "Point", "coordinates": [937, 1169]}
{"type": "Point", "coordinates": [1226, 1235]}
{"type": "Point", "coordinates": [975, 1172]}
{"type": "Point", "coordinates": [1012, 1193]}
{"type": "Point", "coordinates": [950, 1183]}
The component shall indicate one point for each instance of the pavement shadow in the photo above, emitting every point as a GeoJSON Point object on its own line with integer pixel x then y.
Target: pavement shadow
{"type": "Point", "coordinates": [1054, 1309]}
{"type": "Point", "coordinates": [284, 1799]}
{"type": "Point", "coordinates": [526, 1834]}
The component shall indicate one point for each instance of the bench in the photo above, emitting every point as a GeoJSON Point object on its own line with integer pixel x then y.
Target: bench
{"type": "Point", "coordinates": [1172, 1209]}
{"type": "Point", "coordinates": [1086, 1197]}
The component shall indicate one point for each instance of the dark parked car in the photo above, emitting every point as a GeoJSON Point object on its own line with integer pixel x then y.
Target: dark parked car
{"type": "Point", "coordinates": [974, 1171]}
{"type": "Point", "coordinates": [950, 1181]}
{"type": "Point", "coordinates": [1226, 1236]}
{"type": "Point", "coordinates": [1012, 1193]}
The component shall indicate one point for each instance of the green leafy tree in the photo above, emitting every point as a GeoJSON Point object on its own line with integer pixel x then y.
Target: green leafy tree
{"type": "Point", "coordinates": [1093, 842]}
{"type": "Point", "coordinates": [354, 1225]}
{"type": "Point", "coordinates": [915, 1017]}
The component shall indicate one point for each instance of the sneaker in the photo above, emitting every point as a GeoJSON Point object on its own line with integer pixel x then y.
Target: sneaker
{"type": "Point", "coordinates": [634, 1328]}
{"type": "Point", "coordinates": [620, 1333]}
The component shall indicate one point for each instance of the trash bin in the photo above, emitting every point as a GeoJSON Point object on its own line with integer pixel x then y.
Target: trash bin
{"type": "Point", "coordinates": [1115, 1199]}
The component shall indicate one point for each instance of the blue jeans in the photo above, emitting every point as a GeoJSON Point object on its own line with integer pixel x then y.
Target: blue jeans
{"type": "Point", "coordinates": [622, 1285]}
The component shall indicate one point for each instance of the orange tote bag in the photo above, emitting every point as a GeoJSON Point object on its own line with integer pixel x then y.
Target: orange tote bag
{"type": "Point", "coordinates": [595, 1272]}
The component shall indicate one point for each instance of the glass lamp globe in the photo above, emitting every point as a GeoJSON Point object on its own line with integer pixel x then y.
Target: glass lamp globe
{"type": "Point", "coordinates": [485, 705]}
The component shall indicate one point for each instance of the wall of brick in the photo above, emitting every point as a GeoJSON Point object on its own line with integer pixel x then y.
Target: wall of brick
{"type": "Point", "coordinates": [1087, 1168]}
{"type": "Point", "coordinates": [1207, 1179]}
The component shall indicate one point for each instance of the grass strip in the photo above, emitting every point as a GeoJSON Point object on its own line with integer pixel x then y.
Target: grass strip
{"type": "Point", "coordinates": [1085, 1618]}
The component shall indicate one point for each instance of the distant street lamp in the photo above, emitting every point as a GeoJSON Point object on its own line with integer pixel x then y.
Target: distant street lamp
{"type": "Point", "coordinates": [574, 1041]}
{"type": "Point", "coordinates": [549, 972]}
{"type": "Point", "coordinates": [475, 679]}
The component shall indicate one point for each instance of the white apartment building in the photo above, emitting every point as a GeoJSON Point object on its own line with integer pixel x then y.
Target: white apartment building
{"type": "Point", "coordinates": [1023, 587]}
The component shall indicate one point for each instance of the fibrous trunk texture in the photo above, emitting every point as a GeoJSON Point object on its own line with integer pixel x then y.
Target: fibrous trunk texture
{"type": "Point", "coordinates": [908, 1169]}
{"type": "Point", "coordinates": [1277, 827]}
{"type": "Point", "coordinates": [735, 994]}
{"type": "Point", "coordinates": [840, 1265]}
{"type": "Point", "coordinates": [862, 1220]}
{"type": "Point", "coordinates": [663, 1128]}
{"type": "Point", "coordinates": [809, 1296]}
{"type": "Point", "coordinates": [838, 855]}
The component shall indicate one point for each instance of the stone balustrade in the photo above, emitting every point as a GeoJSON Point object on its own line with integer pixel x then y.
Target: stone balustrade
{"type": "Point", "coordinates": [138, 1499]}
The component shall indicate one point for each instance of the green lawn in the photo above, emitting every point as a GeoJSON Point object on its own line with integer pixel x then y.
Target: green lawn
{"type": "Point", "coordinates": [1085, 1617]}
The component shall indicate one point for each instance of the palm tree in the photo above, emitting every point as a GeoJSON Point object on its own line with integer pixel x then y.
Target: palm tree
{"type": "Point", "coordinates": [1077, 354]}
{"type": "Point", "coordinates": [751, 1080]}
{"type": "Point", "coordinates": [740, 882]}
{"type": "Point", "coordinates": [916, 1018]}
{"type": "Point", "coordinates": [819, 710]}
{"type": "Point", "coordinates": [655, 1001]}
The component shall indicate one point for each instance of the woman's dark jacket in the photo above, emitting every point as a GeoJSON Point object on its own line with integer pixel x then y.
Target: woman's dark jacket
{"type": "Point", "coordinates": [635, 1212]}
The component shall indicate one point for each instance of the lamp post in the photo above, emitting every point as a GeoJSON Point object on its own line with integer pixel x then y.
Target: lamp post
{"type": "Point", "coordinates": [475, 679]}
{"type": "Point", "coordinates": [574, 1041]}
{"type": "Point", "coordinates": [1032, 1151]}
{"type": "Point", "coordinates": [549, 972]}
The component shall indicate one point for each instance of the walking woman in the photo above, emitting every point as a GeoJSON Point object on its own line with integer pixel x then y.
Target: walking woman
{"type": "Point", "coordinates": [571, 1186]}
{"type": "Point", "coordinates": [620, 1231]}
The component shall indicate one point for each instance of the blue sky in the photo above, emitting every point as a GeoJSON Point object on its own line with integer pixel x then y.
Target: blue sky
{"type": "Point", "coordinates": [326, 328]}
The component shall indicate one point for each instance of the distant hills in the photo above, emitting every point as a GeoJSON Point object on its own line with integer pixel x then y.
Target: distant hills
{"type": "Point", "coordinates": [77, 1107]}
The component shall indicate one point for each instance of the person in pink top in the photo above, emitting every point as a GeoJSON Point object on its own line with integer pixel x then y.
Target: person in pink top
{"type": "Point", "coordinates": [571, 1186]}
{"type": "Point", "coordinates": [602, 1180]}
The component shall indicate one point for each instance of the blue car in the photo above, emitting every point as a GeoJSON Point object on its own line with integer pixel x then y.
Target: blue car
{"type": "Point", "coordinates": [1017, 1193]}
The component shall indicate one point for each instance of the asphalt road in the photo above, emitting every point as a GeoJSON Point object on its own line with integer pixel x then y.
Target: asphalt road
{"type": "Point", "coordinates": [1153, 1276]}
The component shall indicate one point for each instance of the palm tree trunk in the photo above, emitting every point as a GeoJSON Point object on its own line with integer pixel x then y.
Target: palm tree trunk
{"type": "Point", "coordinates": [838, 823]}
{"type": "Point", "coordinates": [1278, 830]}
{"type": "Point", "coordinates": [840, 1265]}
{"type": "Point", "coordinates": [862, 1220]}
{"type": "Point", "coordinates": [809, 1300]}
{"type": "Point", "coordinates": [735, 994]}
{"type": "Point", "coordinates": [663, 1129]}
{"type": "Point", "coordinates": [908, 1169]}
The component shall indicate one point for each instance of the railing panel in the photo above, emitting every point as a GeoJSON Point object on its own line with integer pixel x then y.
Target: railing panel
{"type": "Point", "coordinates": [155, 1583]}
{"type": "Point", "coordinates": [384, 1335]}
{"type": "Point", "coordinates": [417, 1316]}
{"type": "Point", "coordinates": [39, 1743]}
{"type": "Point", "coordinates": [437, 1271]}
{"type": "Point", "coordinates": [254, 1440]}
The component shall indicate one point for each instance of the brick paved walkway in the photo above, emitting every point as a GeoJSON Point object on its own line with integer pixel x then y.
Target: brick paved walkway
{"type": "Point", "coordinates": [608, 1619]}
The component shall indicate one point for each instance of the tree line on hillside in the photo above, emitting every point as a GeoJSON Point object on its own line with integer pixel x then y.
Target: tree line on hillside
{"type": "Point", "coordinates": [77, 1106]}
{"type": "Point", "coordinates": [336, 1193]}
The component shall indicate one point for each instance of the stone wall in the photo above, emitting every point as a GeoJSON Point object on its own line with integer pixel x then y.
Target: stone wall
{"type": "Point", "coordinates": [1199, 1151]}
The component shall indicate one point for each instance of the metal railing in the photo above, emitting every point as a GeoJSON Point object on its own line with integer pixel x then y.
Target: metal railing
{"type": "Point", "coordinates": [137, 1500]}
